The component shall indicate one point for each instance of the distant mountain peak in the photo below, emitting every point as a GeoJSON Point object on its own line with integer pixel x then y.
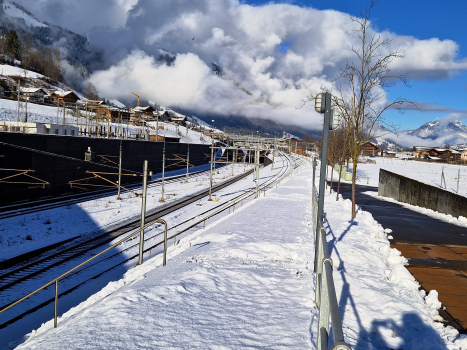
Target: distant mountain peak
{"type": "Point", "coordinates": [444, 132]}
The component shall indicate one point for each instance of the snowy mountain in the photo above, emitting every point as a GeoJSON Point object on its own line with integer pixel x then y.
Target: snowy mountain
{"type": "Point", "coordinates": [74, 47]}
{"type": "Point", "coordinates": [442, 131]}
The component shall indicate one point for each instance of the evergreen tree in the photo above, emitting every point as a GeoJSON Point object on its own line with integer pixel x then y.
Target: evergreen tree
{"type": "Point", "coordinates": [12, 44]}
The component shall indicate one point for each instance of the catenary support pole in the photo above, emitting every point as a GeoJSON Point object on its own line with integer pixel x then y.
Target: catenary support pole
{"type": "Point", "coordinates": [163, 174]}
{"type": "Point", "coordinates": [212, 162]}
{"type": "Point", "coordinates": [143, 211]}
{"type": "Point", "coordinates": [119, 171]}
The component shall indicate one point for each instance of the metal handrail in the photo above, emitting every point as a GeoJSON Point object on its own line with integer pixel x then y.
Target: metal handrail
{"type": "Point", "coordinates": [325, 295]}
{"type": "Point", "coordinates": [56, 280]}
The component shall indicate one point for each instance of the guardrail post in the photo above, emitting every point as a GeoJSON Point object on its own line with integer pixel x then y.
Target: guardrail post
{"type": "Point", "coordinates": [56, 304]}
{"type": "Point", "coordinates": [143, 212]}
{"type": "Point", "coordinates": [165, 244]}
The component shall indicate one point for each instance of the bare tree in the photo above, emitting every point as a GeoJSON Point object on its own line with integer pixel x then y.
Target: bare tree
{"type": "Point", "coordinates": [361, 87]}
{"type": "Point", "coordinates": [91, 92]}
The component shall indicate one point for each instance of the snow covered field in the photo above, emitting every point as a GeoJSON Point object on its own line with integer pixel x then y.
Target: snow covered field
{"type": "Point", "coordinates": [429, 173]}
{"type": "Point", "coordinates": [247, 281]}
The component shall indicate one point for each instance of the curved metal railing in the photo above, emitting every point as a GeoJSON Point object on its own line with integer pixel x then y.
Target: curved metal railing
{"type": "Point", "coordinates": [56, 280]}
{"type": "Point", "coordinates": [325, 295]}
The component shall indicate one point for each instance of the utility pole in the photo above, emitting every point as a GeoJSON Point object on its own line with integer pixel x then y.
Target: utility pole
{"type": "Point", "coordinates": [119, 171]}
{"type": "Point", "coordinates": [256, 170]}
{"type": "Point", "coordinates": [143, 211]}
{"type": "Point", "coordinates": [187, 160]}
{"type": "Point", "coordinates": [157, 127]}
{"type": "Point", "coordinates": [18, 93]}
{"type": "Point", "coordinates": [163, 174]}
{"type": "Point", "coordinates": [273, 153]}
{"type": "Point", "coordinates": [26, 110]}
{"type": "Point", "coordinates": [210, 180]}
{"type": "Point", "coordinates": [63, 112]}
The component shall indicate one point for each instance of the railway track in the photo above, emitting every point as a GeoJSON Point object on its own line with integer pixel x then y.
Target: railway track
{"type": "Point", "coordinates": [67, 200]}
{"type": "Point", "coordinates": [30, 276]}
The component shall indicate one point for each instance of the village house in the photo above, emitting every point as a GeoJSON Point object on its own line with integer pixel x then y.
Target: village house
{"type": "Point", "coordinates": [464, 157]}
{"type": "Point", "coordinates": [179, 120]}
{"type": "Point", "coordinates": [444, 154]}
{"type": "Point", "coordinates": [389, 154]}
{"type": "Point", "coordinates": [63, 96]}
{"type": "Point", "coordinates": [369, 149]}
{"type": "Point", "coordinates": [33, 94]}
{"type": "Point", "coordinates": [144, 112]}
{"type": "Point", "coordinates": [2, 91]}
{"type": "Point", "coordinates": [164, 117]}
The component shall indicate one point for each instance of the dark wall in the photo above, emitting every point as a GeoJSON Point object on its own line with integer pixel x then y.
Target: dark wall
{"type": "Point", "coordinates": [417, 193]}
{"type": "Point", "coordinates": [60, 159]}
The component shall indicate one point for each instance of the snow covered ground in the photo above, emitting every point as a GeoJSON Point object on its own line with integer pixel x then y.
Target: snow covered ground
{"type": "Point", "coordinates": [247, 281]}
{"type": "Point", "coordinates": [429, 173]}
{"type": "Point", "coordinates": [25, 233]}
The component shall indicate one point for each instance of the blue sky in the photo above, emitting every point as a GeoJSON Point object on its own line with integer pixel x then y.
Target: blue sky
{"type": "Point", "coordinates": [271, 56]}
{"type": "Point", "coordinates": [422, 20]}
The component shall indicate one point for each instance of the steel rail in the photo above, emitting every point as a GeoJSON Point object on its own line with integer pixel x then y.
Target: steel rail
{"type": "Point", "coordinates": [56, 280]}
{"type": "Point", "coordinates": [158, 220]}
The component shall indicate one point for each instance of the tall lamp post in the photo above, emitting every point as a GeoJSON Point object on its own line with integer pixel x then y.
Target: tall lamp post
{"type": "Point", "coordinates": [331, 122]}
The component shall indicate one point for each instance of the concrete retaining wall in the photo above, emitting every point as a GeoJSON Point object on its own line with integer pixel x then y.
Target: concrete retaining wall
{"type": "Point", "coordinates": [60, 159]}
{"type": "Point", "coordinates": [420, 194]}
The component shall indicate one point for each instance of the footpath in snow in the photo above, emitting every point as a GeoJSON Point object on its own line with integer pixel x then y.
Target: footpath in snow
{"type": "Point", "coordinates": [247, 281]}
{"type": "Point", "coordinates": [243, 282]}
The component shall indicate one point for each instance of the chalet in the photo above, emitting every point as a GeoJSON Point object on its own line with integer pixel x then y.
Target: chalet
{"type": "Point", "coordinates": [64, 96]}
{"type": "Point", "coordinates": [178, 119]}
{"type": "Point", "coordinates": [145, 112]}
{"type": "Point", "coordinates": [165, 117]}
{"type": "Point", "coordinates": [444, 154]}
{"type": "Point", "coordinates": [464, 157]}
{"type": "Point", "coordinates": [369, 149]}
{"type": "Point", "coordinates": [120, 114]}
{"type": "Point", "coordinates": [33, 94]}
{"type": "Point", "coordinates": [389, 154]}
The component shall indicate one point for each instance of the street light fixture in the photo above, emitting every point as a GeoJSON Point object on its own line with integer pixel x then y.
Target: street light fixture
{"type": "Point", "coordinates": [323, 105]}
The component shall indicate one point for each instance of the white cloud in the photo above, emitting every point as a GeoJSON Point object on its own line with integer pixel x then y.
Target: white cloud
{"type": "Point", "coordinates": [270, 55]}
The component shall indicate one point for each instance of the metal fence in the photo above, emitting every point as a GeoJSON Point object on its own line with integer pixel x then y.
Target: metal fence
{"type": "Point", "coordinates": [228, 206]}
{"type": "Point", "coordinates": [325, 295]}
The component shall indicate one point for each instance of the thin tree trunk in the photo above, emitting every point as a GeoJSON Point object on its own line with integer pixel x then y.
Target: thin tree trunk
{"type": "Point", "coordinates": [354, 177]}
{"type": "Point", "coordinates": [339, 182]}
{"type": "Point", "coordinates": [332, 173]}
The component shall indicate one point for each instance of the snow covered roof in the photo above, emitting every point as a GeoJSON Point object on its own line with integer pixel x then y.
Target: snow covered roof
{"type": "Point", "coordinates": [178, 117]}
{"type": "Point", "coordinates": [143, 109]}
{"type": "Point", "coordinates": [32, 90]}
{"type": "Point", "coordinates": [62, 93]}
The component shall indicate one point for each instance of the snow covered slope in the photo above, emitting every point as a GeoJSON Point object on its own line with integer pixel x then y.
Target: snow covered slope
{"type": "Point", "coordinates": [12, 10]}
